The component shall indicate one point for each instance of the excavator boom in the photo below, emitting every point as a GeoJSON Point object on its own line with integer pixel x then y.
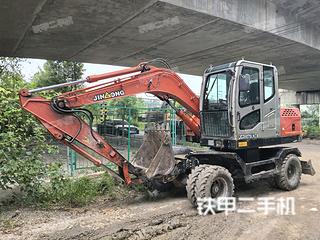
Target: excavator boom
{"type": "Point", "coordinates": [60, 115]}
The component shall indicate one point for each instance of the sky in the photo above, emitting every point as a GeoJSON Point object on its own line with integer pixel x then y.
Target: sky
{"type": "Point", "coordinates": [31, 66]}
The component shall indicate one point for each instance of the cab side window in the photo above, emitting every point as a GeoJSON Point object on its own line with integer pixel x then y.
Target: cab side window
{"type": "Point", "coordinates": [268, 83]}
{"type": "Point", "coordinates": [252, 96]}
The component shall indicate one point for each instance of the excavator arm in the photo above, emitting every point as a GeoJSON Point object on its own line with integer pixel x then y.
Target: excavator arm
{"type": "Point", "coordinates": [60, 115]}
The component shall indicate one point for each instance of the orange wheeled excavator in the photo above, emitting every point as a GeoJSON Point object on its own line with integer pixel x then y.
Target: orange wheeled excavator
{"type": "Point", "coordinates": [237, 116]}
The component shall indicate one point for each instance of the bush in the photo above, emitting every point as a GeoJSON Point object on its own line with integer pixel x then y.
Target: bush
{"type": "Point", "coordinates": [80, 191]}
{"type": "Point", "coordinates": [65, 191]}
{"type": "Point", "coordinates": [312, 132]}
{"type": "Point", "coordinates": [73, 192]}
{"type": "Point", "coordinates": [22, 139]}
{"type": "Point", "coordinates": [76, 192]}
{"type": "Point", "coordinates": [106, 184]}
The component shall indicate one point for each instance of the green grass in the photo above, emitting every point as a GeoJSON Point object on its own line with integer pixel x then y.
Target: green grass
{"type": "Point", "coordinates": [70, 192]}
{"type": "Point", "coordinates": [80, 191]}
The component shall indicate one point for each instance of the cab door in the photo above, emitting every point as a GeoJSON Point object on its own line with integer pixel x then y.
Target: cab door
{"type": "Point", "coordinates": [248, 111]}
{"type": "Point", "coordinates": [270, 102]}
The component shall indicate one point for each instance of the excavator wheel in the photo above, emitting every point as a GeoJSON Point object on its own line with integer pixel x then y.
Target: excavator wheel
{"type": "Point", "coordinates": [191, 183]}
{"type": "Point", "coordinates": [214, 182]}
{"type": "Point", "coordinates": [290, 173]}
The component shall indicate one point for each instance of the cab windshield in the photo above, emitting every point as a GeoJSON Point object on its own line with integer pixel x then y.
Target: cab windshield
{"type": "Point", "coordinates": [216, 91]}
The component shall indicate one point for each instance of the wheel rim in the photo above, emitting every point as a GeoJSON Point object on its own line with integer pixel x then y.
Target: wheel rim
{"type": "Point", "coordinates": [219, 188]}
{"type": "Point", "coordinates": [291, 171]}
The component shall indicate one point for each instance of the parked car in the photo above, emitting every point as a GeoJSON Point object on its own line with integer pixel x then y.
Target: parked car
{"type": "Point", "coordinates": [116, 127]}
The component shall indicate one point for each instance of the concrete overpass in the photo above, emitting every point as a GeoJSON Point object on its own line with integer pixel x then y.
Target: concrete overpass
{"type": "Point", "coordinates": [191, 34]}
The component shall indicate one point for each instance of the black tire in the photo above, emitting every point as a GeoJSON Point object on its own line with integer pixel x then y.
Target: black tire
{"type": "Point", "coordinates": [191, 183]}
{"type": "Point", "coordinates": [272, 182]}
{"type": "Point", "coordinates": [216, 177]}
{"type": "Point", "coordinates": [290, 173]}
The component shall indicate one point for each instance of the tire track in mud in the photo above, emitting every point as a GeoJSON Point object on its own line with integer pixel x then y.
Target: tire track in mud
{"type": "Point", "coordinates": [140, 222]}
{"type": "Point", "coordinates": [148, 228]}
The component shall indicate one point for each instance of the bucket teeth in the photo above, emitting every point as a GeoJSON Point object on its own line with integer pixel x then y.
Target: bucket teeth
{"type": "Point", "coordinates": [155, 157]}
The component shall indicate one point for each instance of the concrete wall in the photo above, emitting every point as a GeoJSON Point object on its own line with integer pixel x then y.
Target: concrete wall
{"type": "Point", "coordinates": [299, 98]}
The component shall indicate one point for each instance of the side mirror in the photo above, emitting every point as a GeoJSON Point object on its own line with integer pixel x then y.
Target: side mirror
{"type": "Point", "coordinates": [244, 83]}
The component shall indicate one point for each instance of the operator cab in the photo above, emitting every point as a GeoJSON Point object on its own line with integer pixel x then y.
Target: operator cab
{"type": "Point", "coordinates": [239, 106]}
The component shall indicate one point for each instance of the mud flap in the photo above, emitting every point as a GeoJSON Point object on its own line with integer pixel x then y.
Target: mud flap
{"type": "Point", "coordinates": [155, 157]}
{"type": "Point", "coordinates": [307, 168]}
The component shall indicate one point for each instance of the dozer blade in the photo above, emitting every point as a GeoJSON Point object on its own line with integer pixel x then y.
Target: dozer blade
{"type": "Point", "coordinates": [155, 157]}
{"type": "Point", "coordinates": [307, 168]}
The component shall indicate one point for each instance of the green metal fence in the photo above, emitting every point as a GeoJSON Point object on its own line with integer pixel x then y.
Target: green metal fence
{"type": "Point", "coordinates": [124, 127]}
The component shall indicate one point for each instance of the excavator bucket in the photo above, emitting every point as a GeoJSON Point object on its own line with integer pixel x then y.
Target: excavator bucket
{"type": "Point", "coordinates": [155, 157]}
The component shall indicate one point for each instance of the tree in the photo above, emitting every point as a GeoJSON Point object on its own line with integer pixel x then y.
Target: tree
{"type": "Point", "coordinates": [55, 72]}
{"type": "Point", "coordinates": [132, 102]}
{"type": "Point", "coordinates": [310, 121]}
{"type": "Point", "coordinates": [22, 140]}
{"type": "Point", "coordinates": [10, 72]}
{"type": "Point", "coordinates": [310, 115]}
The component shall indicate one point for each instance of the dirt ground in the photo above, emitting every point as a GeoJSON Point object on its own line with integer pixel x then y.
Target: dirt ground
{"type": "Point", "coordinates": [172, 217]}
